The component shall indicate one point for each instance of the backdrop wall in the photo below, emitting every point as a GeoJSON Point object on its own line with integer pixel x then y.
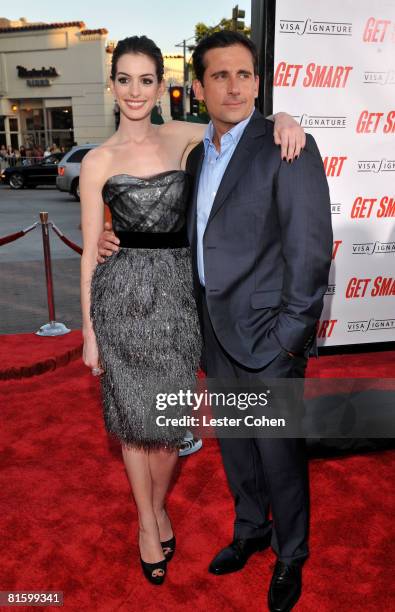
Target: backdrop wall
{"type": "Point", "coordinates": [334, 70]}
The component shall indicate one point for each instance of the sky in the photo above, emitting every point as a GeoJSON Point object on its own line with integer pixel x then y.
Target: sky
{"type": "Point", "coordinates": [167, 22]}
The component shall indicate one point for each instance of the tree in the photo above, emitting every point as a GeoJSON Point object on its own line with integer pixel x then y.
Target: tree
{"type": "Point", "coordinates": [202, 30]}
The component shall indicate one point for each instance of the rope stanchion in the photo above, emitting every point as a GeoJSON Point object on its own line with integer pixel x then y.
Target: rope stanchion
{"type": "Point", "coordinates": [66, 240]}
{"type": "Point", "coordinates": [16, 235]}
{"type": "Point", "coordinates": [53, 328]}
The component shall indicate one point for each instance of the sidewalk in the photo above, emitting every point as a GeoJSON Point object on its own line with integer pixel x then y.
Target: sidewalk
{"type": "Point", "coordinates": [23, 298]}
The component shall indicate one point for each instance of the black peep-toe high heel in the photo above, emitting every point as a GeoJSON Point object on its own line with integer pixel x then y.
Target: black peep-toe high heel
{"type": "Point", "coordinates": [169, 548]}
{"type": "Point", "coordinates": [149, 568]}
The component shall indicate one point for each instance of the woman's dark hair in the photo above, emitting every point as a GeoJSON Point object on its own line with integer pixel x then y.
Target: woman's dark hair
{"type": "Point", "coordinates": [224, 38]}
{"type": "Point", "coordinates": [138, 44]}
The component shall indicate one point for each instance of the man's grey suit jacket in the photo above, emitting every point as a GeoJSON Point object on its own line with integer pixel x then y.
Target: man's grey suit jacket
{"type": "Point", "coordinates": [267, 247]}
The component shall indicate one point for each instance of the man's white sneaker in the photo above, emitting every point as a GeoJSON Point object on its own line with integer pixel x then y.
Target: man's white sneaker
{"type": "Point", "coordinates": [190, 446]}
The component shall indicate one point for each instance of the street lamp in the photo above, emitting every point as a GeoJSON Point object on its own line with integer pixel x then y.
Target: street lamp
{"type": "Point", "coordinates": [183, 44]}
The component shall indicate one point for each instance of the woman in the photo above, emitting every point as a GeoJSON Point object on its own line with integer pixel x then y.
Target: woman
{"type": "Point", "coordinates": [139, 319]}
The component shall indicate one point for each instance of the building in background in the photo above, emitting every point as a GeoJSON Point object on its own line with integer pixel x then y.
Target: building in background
{"type": "Point", "coordinates": [174, 69]}
{"type": "Point", "coordinates": [174, 75]}
{"type": "Point", "coordinates": [54, 84]}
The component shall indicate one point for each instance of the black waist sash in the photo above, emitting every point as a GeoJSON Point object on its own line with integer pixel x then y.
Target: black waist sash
{"type": "Point", "coordinates": [153, 240]}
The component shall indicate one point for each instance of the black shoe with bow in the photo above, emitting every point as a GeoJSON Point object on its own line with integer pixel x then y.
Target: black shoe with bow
{"type": "Point", "coordinates": [285, 587]}
{"type": "Point", "coordinates": [234, 557]}
{"type": "Point", "coordinates": [169, 548]}
{"type": "Point", "coordinates": [154, 572]}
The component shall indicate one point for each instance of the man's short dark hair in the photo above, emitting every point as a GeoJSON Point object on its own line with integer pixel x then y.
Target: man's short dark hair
{"type": "Point", "coordinates": [224, 38]}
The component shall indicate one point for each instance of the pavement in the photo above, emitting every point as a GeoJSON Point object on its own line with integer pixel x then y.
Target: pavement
{"type": "Point", "coordinates": [23, 297]}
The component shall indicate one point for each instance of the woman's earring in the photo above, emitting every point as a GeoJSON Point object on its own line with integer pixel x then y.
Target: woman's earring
{"type": "Point", "coordinates": [116, 106]}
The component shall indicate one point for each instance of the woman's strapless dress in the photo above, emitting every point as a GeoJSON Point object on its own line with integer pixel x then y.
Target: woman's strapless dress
{"type": "Point", "coordinates": [143, 310]}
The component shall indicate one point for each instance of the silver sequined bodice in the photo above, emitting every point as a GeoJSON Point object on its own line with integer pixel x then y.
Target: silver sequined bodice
{"type": "Point", "coordinates": [154, 204]}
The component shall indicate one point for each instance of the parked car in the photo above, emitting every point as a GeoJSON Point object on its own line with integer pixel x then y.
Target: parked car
{"type": "Point", "coordinates": [43, 172]}
{"type": "Point", "coordinates": [68, 178]}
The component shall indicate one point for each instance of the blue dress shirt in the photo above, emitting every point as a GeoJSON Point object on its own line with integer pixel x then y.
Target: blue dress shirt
{"type": "Point", "coordinates": [213, 169]}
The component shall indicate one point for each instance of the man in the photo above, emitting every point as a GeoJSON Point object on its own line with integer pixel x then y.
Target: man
{"type": "Point", "coordinates": [261, 240]}
{"type": "Point", "coordinates": [261, 237]}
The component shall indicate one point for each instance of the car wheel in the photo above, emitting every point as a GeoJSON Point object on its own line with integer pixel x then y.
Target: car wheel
{"type": "Point", "coordinates": [75, 189]}
{"type": "Point", "coordinates": [16, 180]}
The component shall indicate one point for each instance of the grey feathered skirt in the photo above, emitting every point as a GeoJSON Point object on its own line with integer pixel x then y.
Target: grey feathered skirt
{"type": "Point", "coordinates": [145, 321]}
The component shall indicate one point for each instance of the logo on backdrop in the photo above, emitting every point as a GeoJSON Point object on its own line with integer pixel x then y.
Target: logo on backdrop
{"type": "Point", "coordinates": [365, 208]}
{"type": "Point", "coordinates": [379, 78]}
{"type": "Point", "coordinates": [319, 28]}
{"type": "Point", "coordinates": [373, 248]}
{"type": "Point", "coordinates": [325, 328]}
{"type": "Point", "coordinates": [381, 286]}
{"type": "Point", "coordinates": [334, 165]}
{"type": "Point", "coordinates": [321, 121]}
{"type": "Point", "coordinates": [336, 208]}
{"type": "Point", "coordinates": [378, 31]}
{"type": "Point", "coordinates": [331, 290]}
{"type": "Point", "coordinates": [336, 246]}
{"type": "Point", "coordinates": [371, 123]}
{"type": "Point", "coordinates": [376, 165]}
{"type": "Point", "coordinates": [314, 75]}
{"type": "Point", "coordinates": [370, 325]}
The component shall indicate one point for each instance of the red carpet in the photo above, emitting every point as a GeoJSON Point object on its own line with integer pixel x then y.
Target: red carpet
{"type": "Point", "coordinates": [24, 355]}
{"type": "Point", "coordinates": [360, 365]}
{"type": "Point", "coordinates": [68, 522]}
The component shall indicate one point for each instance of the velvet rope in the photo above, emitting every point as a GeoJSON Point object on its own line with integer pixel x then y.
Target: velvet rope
{"type": "Point", "coordinates": [16, 235]}
{"type": "Point", "coordinates": [66, 240]}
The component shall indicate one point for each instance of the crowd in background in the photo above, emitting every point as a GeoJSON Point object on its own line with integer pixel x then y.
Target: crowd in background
{"type": "Point", "coordinates": [26, 155]}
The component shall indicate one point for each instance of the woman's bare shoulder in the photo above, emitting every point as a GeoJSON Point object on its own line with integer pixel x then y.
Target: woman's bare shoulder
{"type": "Point", "coordinates": [101, 152]}
{"type": "Point", "coordinates": [96, 166]}
{"type": "Point", "coordinates": [98, 158]}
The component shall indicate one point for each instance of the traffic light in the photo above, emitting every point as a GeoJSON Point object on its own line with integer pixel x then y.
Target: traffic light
{"type": "Point", "coordinates": [236, 14]}
{"type": "Point", "coordinates": [176, 101]}
{"type": "Point", "coordinates": [194, 103]}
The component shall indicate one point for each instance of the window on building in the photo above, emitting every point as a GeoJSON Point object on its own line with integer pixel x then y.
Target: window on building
{"type": "Point", "coordinates": [32, 127]}
{"type": "Point", "coordinates": [47, 127]}
{"type": "Point", "coordinates": [3, 140]}
{"type": "Point", "coordinates": [34, 119]}
{"type": "Point", "coordinates": [61, 118]}
{"type": "Point", "coordinates": [14, 136]}
{"type": "Point", "coordinates": [60, 126]}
